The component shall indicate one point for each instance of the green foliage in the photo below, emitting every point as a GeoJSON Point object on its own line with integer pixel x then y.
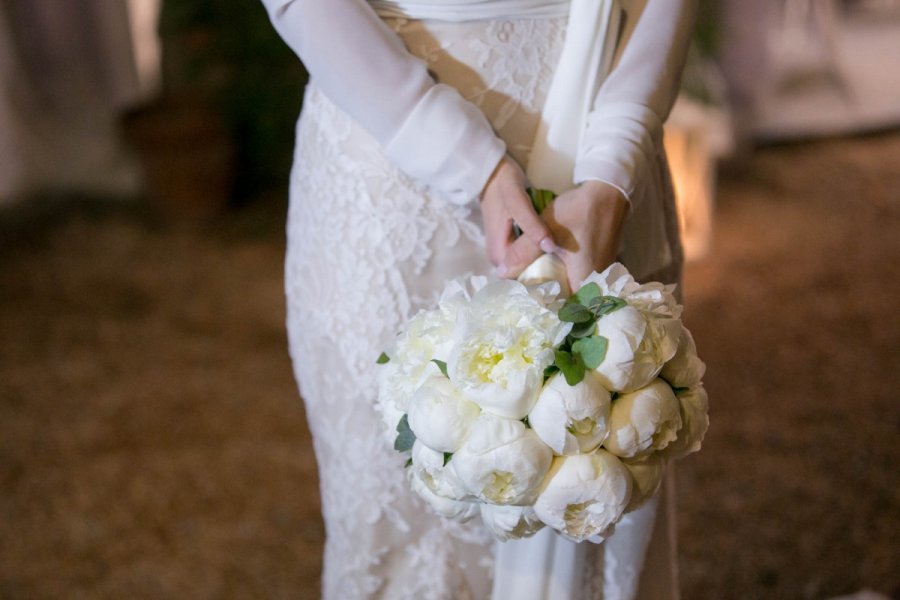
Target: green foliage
{"type": "Point", "coordinates": [582, 350]}
{"type": "Point", "coordinates": [591, 350]}
{"type": "Point", "coordinates": [405, 436]}
{"type": "Point", "coordinates": [571, 366]}
{"type": "Point", "coordinates": [383, 359]}
{"type": "Point", "coordinates": [442, 366]}
{"type": "Point", "coordinates": [540, 199]}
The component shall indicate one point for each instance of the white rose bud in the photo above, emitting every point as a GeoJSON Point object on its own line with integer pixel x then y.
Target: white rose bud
{"type": "Point", "coordinates": [458, 510]}
{"type": "Point", "coordinates": [502, 462]}
{"type": "Point", "coordinates": [646, 477]}
{"type": "Point", "coordinates": [428, 466]}
{"type": "Point", "coordinates": [644, 421]}
{"type": "Point", "coordinates": [585, 495]}
{"type": "Point", "coordinates": [571, 419]}
{"type": "Point", "coordinates": [439, 415]}
{"type": "Point", "coordinates": [694, 404]}
{"type": "Point", "coordinates": [510, 522]}
{"type": "Point", "coordinates": [685, 369]}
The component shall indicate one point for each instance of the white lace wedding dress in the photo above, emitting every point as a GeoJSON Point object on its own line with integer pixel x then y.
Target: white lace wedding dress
{"type": "Point", "coordinates": [368, 246]}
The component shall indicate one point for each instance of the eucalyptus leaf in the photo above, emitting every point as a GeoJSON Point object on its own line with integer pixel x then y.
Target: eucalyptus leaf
{"type": "Point", "coordinates": [580, 330]}
{"type": "Point", "coordinates": [442, 366]}
{"type": "Point", "coordinates": [571, 366]}
{"type": "Point", "coordinates": [575, 312]}
{"type": "Point", "coordinates": [609, 304]}
{"type": "Point", "coordinates": [591, 350]}
{"type": "Point", "coordinates": [447, 457]}
{"type": "Point", "coordinates": [383, 358]}
{"type": "Point", "coordinates": [588, 294]}
{"type": "Point", "coordinates": [405, 436]}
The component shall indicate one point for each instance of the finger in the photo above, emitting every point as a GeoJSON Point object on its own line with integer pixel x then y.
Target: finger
{"type": "Point", "coordinates": [519, 254]}
{"type": "Point", "coordinates": [522, 212]}
{"type": "Point", "coordinates": [497, 230]}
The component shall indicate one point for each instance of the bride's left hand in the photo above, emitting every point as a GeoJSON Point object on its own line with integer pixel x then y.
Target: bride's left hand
{"type": "Point", "coordinates": [586, 222]}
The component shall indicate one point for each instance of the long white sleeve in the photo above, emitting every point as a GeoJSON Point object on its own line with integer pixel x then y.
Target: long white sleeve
{"type": "Point", "coordinates": [427, 129]}
{"type": "Point", "coordinates": [624, 126]}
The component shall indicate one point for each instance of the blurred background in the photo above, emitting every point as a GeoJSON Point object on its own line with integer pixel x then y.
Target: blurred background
{"type": "Point", "coordinates": [152, 441]}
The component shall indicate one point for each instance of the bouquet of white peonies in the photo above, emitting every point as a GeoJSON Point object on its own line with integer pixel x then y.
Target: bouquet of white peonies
{"type": "Point", "coordinates": [535, 410]}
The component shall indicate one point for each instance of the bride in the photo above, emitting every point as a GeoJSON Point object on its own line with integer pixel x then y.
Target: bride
{"type": "Point", "coordinates": [423, 123]}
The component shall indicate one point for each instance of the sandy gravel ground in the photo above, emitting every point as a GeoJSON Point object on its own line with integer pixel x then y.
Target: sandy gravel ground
{"type": "Point", "coordinates": [152, 444]}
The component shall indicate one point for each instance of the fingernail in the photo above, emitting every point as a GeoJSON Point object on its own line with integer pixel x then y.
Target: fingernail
{"type": "Point", "coordinates": [547, 245]}
{"type": "Point", "coordinates": [501, 270]}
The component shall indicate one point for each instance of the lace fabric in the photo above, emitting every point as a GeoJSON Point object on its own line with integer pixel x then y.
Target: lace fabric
{"type": "Point", "coordinates": [368, 247]}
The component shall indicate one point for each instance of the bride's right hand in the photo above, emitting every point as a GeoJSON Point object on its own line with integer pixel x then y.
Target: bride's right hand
{"type": "Point", "coordinates": [505, 204]}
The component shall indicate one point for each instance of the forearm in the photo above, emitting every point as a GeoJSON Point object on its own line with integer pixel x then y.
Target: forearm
{"type": "Point", "coordinates": [427, 129]}
{"type": "Point", "coordinates": [624, 127]}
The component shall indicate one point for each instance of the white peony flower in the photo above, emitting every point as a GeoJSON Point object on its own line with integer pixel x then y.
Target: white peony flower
{"type": "Point", "coordinates": [585, 495]}
{"type": "Point", "coordinates": [502, 462]}
{"type": "Point", "coordinates": [694, 404]}
{"type": "Point", "coordinates": [650, 298]}
{"type": "Point", "coordinates": [638, 348]}
{"type": "Point", "coordinates": [684, 369]}
{"type": "Point", "coordinates": [571, 419]}
{"type": "Point", "coordinates": [643, 421]}
{"type": "Point", "coordinates": [426, 337]}
{"type": "Point", "coordinates": [510, 522]}
{"type": "Point", "coordinates": [504, 340]}
{"type": "Point", "coordinates": [458, 510]}
{"type": "Point", "coordinates": [428, 466]}
{"type": "Point", "coordinates": [387, 405]}
{"type": "Point", "coordinates": [646, 477]}
{"type": "Point", "coordinates": [439, 415]}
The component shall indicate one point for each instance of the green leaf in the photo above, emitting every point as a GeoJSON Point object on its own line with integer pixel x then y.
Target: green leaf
{"type": "Point", "coordinates": [580, 330]}
{"type": "Point", "coordinates": [607, 304]}
{"type": "Point", "coordinates": [575, 312]}
{"type": "Point", "coordinates": [384, 358]}
{"type": "Point", "coordinates": [541, 199]}
{"type": "Point", "coordinates": [548, 373]}
{"type": "Point", "coordinates": [588, 294]}
{"type": "Point", "coordinates": [447, 457]}
{"type": "Point", "coordinates": [408, 463]}
{"type": "Point", "coordinates": [442, 366]}
{"type": "Point", "coordinates": [591, 350]}
{"type": "Point", "coordinates": [527, 422]}
{"type": "Point", "coordinates": [405, 436]}
{"type": "Point", "coordinates": [571, 366]}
